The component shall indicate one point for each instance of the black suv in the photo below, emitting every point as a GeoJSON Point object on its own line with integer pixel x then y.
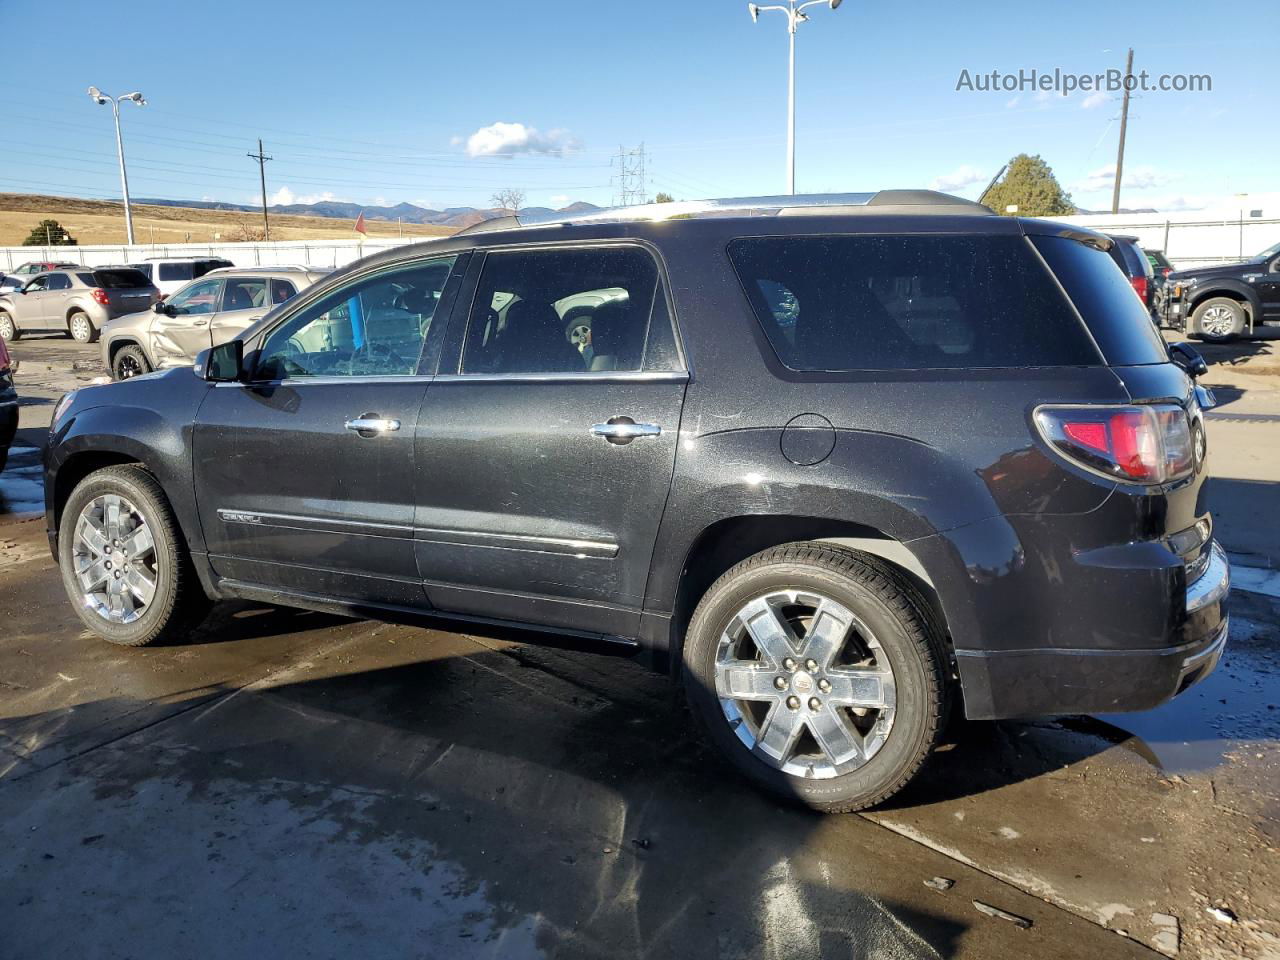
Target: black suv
{"type": "Point", "coordinates": [830, 461]}
{"type": "Point", "coordinates": [1219, 303]}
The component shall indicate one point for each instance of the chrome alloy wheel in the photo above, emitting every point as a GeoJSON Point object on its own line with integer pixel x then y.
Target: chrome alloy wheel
{"type": "Point", "coordinates": [1218, 321]}
{"type": "Point", "coordinates": [114, 557]}
{"type": "Point", "coordinates": [81, 328]}
{"type": "Point", "coordinates": [804, 684]}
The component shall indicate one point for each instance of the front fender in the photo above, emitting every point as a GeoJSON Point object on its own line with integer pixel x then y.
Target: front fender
{"type": "Point", "coordinates": [1217, 286]}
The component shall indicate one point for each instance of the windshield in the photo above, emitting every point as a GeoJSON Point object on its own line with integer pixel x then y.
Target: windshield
{"type": "Point", "coordinates": [1271, 251]}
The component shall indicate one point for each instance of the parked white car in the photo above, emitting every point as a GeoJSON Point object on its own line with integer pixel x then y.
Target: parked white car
{"type": "Point", "coordinates": [170, 274]}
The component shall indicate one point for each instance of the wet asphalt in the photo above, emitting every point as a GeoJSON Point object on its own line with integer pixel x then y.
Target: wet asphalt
{"type": "Point", "coordinates": [292, 784]}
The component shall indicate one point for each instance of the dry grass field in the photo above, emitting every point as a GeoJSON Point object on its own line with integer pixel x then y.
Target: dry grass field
{"type": "Point", "coordinates": [97, 221]}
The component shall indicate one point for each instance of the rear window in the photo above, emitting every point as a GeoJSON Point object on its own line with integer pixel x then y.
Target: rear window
{"type": "Point", "coordinates": [1104, 297]}
{"type": "Point", "coordinates": [144, 267]}
{"type": "Point", "coordinates": [179, 271]}
{"type": "Point", "coordinates": [120, 279]}
{"type": "Point", "coordinates": [908, 303]}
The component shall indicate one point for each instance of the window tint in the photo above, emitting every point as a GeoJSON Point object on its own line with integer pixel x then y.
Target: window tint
{"type": "Point", "coordinates": [178, 271]}
{"type": "Point", "coordinates": [37, 283]}
{"type": "Point", "coordinates": [561, 311]}
{"type": "Point", "coordinates": [59, 281]}
{"type": "Point", "coordinates": [245, 293]}
{"type": "Point", "coordinates": [198, 298]}
{"type": "Point", "coordinates": [903, 303]}
{"type": "Point", "coordinates": [1104, 297]}
{"type": "Point", "coordinates": [144, 268]}
{"type": "Point", "coordinates": [121, 278]}
{"type": "Point", "coordinates": [281, 290]}
{"type": "Point", "coordinates": [201, 267]}
{"type": "Point", "coordinates": [87, 279]}
{"type": "Point", "coordinates": [374, 327]}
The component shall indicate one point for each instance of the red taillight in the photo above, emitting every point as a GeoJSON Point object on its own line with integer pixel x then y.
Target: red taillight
{"type": "Point", "coordinates": [1140, 444]}
{"type": "Point", "coordinates": [100, 296]}
{"type": "Point", "coordinates": [1140, 287]}
{"type": "Point", "coordinates": [1165, 271]}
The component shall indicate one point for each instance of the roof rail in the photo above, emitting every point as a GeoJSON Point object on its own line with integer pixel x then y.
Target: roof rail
{"type": "Point", "coordinates": [810, 204]}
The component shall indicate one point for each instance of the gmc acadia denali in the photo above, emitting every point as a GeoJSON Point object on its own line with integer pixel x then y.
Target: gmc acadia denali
{"type": "Point", "coordinates": [831, 461]}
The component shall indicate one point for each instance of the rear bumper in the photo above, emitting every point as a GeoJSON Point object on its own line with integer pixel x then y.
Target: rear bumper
{"type": "Point", "coordinates": [1000, 684]}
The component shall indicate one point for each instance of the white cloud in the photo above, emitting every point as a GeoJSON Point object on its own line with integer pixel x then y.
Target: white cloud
{"type": "Point", "coordinates": [509, 139]}
{"type": "Point", "coordinates": [207, 198]}
{"type": "Point", "coordinates": [1140, 177]}
{"type": "Point", "coordinates": [962, 176]}
{"type": "Point", "coordinates": [1012, 102]}
{"type": "Point", "coordinates": [284, 197]}
{"type": "Point", "coordinates": [1095, 99]}
{"type": "Point", "coordinates": [560, 200]}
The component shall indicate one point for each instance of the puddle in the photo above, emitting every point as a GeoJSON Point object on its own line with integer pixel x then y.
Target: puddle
{"type": "Point", "coordinates": [22, 481]}
{"type": "Point", "coordinates": [1233, 710]}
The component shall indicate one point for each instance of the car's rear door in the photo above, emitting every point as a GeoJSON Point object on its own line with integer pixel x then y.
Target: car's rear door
{"type": "Point", "coordinates": [305, 473]}
{"type": "Point", "coordinates": [543, 467]}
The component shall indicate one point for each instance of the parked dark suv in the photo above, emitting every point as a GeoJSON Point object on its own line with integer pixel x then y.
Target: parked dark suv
{"type": "Point", "coordinates": [830, 461]}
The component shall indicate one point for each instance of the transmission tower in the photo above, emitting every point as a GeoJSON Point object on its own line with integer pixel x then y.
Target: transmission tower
{"type": "Point", "coordinates": [629, 180]}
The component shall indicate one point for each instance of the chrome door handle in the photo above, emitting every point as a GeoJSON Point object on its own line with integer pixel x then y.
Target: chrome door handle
{"type": "Point", "coordinates": [624, 430]}
{"type": "Point", "coordinates": [370, 426]}
{"type": "Point", "coordinates": [199, 323]}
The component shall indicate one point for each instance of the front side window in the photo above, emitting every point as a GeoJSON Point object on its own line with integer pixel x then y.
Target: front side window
{"type": "Point", "coordinates": [842, 303]}
{"type": "Point", "coordinates": [561, 311]}
{"type": "Point", "coordinates": [374, 327]}
{"type": "Point", "coordinates": [245, 293]}
{"type": "Point", "coordinates": [37, 284]}
{"type": "Point", "coordinates": [198, 298]}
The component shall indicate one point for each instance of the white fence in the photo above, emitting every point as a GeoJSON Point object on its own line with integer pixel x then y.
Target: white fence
{"type": "Point", "coordinates": [315, 253]}
{"type": "Point", "coordinates": [1189, 242]}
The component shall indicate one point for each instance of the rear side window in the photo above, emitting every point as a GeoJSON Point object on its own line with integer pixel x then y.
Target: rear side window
{"type": "Point", "coordinates": [179, 271]}
{"type": "Point", "coordinates": [59, 281]}
{"type": "Point", "coordinates": [120, 279]}
{"type": "Point", "coordinates": [908, 303]}
{"type": "Point", "coordinates": [1104, 297]}
{"type": "Point", "coordinates": [201, 267]}
{"type": "Point", "coordinates": [561, 311]}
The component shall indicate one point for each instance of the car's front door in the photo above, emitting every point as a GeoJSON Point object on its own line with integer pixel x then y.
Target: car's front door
{"type": "Point", "coordinates": [1268, 287]}
{"type": "Point", "coordinates": [547, 443]}
{"type": "Point", "coordinates": [304, 473]}
{"type": "Point", "coordinates": [31, 305]}
{"type": "Point", "coordinates": [180, 329]}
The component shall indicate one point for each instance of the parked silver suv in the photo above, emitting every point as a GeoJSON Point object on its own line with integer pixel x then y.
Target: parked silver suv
{"type": "Point", "coordinates": [206, 312]}
{"type": "Point", "coordinates": [77, 301]}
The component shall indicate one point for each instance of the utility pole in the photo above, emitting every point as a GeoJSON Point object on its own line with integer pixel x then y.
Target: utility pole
{"type": "Point", "coordinates": [262, 172]}
{"type": "Point", "coordinates": [632, 185]}
{"type": "Point", "coordinates": [1124, 124]}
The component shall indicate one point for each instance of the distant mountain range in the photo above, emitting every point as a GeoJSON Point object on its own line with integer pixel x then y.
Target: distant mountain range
{"type": "Point", "coordinates": [410, 213]}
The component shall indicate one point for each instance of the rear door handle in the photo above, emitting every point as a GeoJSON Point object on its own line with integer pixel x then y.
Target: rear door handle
{"type": "Point", "coordinates": [368, 425]}
{"type": "Point", "coordinates": [624, 430]}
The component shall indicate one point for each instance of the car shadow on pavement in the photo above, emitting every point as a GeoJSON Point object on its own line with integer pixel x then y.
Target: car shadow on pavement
{"type": "Point", "coordinates": [535, 805]}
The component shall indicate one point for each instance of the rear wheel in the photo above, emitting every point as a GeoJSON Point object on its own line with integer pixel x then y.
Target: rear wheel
{"type": "Point", "coordinates": [8, 329]}
{"type": "Point", "coordinates": [81, 327]}
{"type": "Point", "coordinates": [129, 362]}
{"type": "Point", "coordinates": [818, 674]}
{"type": "Point", "coordinates": [123, 561]}
{"type": "Point", "coordinates": [1219, 319]}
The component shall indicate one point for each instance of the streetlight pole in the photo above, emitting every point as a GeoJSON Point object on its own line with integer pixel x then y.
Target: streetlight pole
{"type": "Point", "coordinates": [100, 98]}
{"type": "Point", "coordinates": [795, 16]}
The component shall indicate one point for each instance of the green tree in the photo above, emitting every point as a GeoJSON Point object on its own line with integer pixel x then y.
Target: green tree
{"type": "Point", "coordinates": [49, 233]}
{"type": "Point", "coordinates": [664, 198]}
{"type": "Point", "coordinates": [1030, 184]}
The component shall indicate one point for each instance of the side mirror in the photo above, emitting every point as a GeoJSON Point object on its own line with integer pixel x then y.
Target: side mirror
{"type": "Point", "coordinates": [1188, 358]}
{"type": "Point", "coordinates": [221, 364]}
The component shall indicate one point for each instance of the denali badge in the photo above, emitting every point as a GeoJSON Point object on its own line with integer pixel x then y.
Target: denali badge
{"type": "Point", "coordinates": [230, 516]}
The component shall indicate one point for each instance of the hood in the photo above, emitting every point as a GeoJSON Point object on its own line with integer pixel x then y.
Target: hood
{"type": "Point", "coordinates": [1220, 270]}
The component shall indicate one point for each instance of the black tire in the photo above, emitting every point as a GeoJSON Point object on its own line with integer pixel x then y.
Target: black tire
{"type": "Point", "coordinates": [8, 329]}
{"type": "Point", "coordinates": [1212, 311]}
{"type": "Point", "coordinates": [907, 633]}
{"type": "Point", "coordinates": [80, 328]}
{"type": "Point", "coordinates": [179, 602]}
{"type": "Point", "coordinates": [129, 361]}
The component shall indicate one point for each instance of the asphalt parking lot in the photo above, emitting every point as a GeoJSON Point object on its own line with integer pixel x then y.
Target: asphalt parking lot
{"type": "Point", "coordinates": [294, 784]}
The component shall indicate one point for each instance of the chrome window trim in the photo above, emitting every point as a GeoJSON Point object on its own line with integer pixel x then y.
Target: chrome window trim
{"type": "Point", "coordinates": [590, 376]}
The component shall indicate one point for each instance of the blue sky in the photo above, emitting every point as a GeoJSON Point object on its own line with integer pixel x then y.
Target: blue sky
{"type": "Point", "coordinates": [398, 101]}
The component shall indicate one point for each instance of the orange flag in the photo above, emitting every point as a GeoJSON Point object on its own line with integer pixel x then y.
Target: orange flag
{"type": "Point", "coordinates": [360, 227]}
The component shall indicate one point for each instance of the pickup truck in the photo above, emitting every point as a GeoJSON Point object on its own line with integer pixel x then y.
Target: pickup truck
{"type": "Point", "coordinates": [1223, 302]}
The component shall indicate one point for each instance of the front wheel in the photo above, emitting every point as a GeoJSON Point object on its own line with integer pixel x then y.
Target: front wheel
{"type": "Point", "coordinates": [8, 329]}
{"type": "Point", "coordinates": [1219, 319]}
{"type": "Point", "coordinates": [819, 674]}
{"type": "Point", "coordinates": [81, 327]}
{"type": "Point", "coordinates": [129, 362]}
{"type": "Point", "coordinates": [123, 561]}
